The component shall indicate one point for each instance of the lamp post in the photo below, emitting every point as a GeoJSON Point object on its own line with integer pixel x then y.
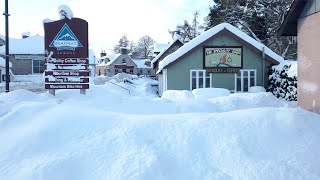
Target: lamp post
{"type": "Point", "coordinates": [6, 14]}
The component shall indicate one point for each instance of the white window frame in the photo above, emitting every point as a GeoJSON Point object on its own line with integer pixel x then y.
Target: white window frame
{"type": "Point", "coordinates": [204, 72]}
{"type": "Point", "coordinates": [242, 79]}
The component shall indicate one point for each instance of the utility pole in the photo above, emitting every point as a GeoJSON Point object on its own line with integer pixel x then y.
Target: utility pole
{"type": "Point", "coordinates": [6, 14]}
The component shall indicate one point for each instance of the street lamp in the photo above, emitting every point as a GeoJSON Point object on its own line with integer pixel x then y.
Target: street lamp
{"type": "Point", "coordinates": [6, 14]}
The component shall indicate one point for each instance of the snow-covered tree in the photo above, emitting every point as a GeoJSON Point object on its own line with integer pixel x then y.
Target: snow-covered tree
{"type": "Point", "coordinates": [188, 30]}
{"type": "Point", "coordinates": [123, 42]}
{"type": "Point", "coordinates": [145, 46]}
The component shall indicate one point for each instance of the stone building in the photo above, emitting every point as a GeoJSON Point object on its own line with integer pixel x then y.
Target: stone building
{"type": "Point", "coordinates": [113, 64]}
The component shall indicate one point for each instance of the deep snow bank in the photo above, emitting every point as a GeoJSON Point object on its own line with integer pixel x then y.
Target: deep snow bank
{"type": "Point", "coordinates": [111, 134]}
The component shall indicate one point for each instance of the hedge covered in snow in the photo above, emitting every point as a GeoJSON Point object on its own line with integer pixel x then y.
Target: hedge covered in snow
{"type": "Point", "coordinates": [283, 80]}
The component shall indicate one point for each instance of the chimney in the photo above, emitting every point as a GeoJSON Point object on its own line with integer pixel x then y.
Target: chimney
{"type": "Point", "coordinates": [124, 50]}
{"type": "Point", "coordinates": [103, 53]}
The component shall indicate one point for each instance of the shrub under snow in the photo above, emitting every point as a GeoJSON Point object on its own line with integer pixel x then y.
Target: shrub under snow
{"type": "Point", "coordinates": [283, 80]}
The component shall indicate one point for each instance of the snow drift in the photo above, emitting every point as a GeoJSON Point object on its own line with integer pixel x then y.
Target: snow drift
{"type": "Point", "coordinates": [111, 134]}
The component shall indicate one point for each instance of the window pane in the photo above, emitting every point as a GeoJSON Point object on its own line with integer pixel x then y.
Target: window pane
{"type": "Point", "coordinates": [42, 69]}
{"type": "Point", "coordinates": [41, 62]}
{"type": "Point", "coordinates": [252, 73]}
{"type": "Point", "coordinates": [200, 74]}
{"type": "Point", "coordinates": [194, 86]}
{"type": "Point", "coordinates": [200, 82]}
{"type": "Point", "coordinates": [252, 81]}
{"type": "Point", "coordinates": [36, 70]}
{"type": "Point", "coordinates": [194, 74]}
{"type": "Point", "coordinates": [208, 82]}
{"type": "Point", "coordinates": [245, 73]}
{"type": "Point", "coordinates": [245, 84]}
{"type": "Point", "coordinates": [36, 62]}
{"type": "Point", "coordinates": [239, 84]}
{"type": "Point", "coordinates": [207, 75]}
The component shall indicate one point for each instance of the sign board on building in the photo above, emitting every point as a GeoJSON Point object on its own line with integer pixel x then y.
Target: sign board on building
{"type": "Point", "coordinates": [66, 45]}
{"type": "Point", "coordinates": [222, 59]}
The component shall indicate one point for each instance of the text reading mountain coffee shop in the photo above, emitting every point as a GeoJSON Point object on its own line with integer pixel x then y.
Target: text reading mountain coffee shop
{"type": "Point", "coordinates": [67, 58]}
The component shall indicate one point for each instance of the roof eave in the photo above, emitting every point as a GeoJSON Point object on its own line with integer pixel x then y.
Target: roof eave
{"type": "Point", "coordinates": [290, 23]}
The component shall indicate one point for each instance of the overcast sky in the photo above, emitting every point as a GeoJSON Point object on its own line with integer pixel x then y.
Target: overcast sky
{"type": "Point", "coordinates": [108, 20]}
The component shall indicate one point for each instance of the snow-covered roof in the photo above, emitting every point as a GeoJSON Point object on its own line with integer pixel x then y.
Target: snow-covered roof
{"type": "Point", "coordinates": [30, 45]}
{"type": "Point", "coordinates": [141, 63]}
{"type": "Point", "coordinates": [208, 34]}
{"type": "Point", "coordinates": [163, 51]}
{"type": "Point", "coordinates": [3, 63]}
{"type": "Point", "coordinates": [112, 58]}
{"type": "Point", "coordinates": [160, 47]}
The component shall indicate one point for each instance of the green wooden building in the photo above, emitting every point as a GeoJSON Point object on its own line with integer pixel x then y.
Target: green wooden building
{"type": "Point", "coordinates": [221, 57]}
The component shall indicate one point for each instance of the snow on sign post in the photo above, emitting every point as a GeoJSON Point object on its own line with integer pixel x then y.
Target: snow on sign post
{"type": "Point", "coordinates": [66, 45]}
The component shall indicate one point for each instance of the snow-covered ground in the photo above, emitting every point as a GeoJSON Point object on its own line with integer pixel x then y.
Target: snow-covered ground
{"type": "Point", "coordinates": [114, 133]}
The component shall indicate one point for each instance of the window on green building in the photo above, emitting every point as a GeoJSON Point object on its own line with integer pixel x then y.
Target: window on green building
{"type": "Point", "coordinates": [244, 79]}
{"type": "Point", "coordinates": [200, 79]}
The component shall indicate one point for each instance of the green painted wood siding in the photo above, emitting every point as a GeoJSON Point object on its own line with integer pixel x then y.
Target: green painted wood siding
{"type": "Point", "coordinates": [311, 7]}
{"type": "Point", "coordinates": [179, 73]}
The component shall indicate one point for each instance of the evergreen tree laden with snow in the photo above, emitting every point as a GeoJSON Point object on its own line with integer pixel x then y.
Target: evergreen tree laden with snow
{"type": "Point", "coordinates": [123, 42]}
{"type": "Point", "coordinates": [188, 30]}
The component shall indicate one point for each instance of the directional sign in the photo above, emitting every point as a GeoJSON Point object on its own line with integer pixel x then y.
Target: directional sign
{"type": "Point", "coordinates": [66, 80]}
{"type": "Point", "coordinates": [66, 86]}
{"type": "Point", "coordinates": [66, 73]}
{"type": "Point", "coordinates": [81, 61]}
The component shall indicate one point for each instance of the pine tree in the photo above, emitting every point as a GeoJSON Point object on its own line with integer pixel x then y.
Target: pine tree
{"type": "Point", "coordinates": [188, 30]}
{"type": "Point", "coordinates": [123, 42]}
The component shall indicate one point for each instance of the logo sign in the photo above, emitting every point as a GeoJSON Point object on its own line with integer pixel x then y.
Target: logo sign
{"type": "Point", "coordinates": [67, 38]}
{"type": "Point", "coordinates": [223, 59]}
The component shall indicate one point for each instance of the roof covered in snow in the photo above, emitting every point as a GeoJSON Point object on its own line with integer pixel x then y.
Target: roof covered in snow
{"type": "Point", "coordinates": [3, 63]}
{"type": "Point", "coordinates": [111, 57]}
{"type": "Point", "coordinates": [196, 42]}
{"type": "Point", "coordinates": [142, 63]}
{"type": "Point", "coordinates": [164, 50]}
{"type": "Point", "coordinates": [30, 45]}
